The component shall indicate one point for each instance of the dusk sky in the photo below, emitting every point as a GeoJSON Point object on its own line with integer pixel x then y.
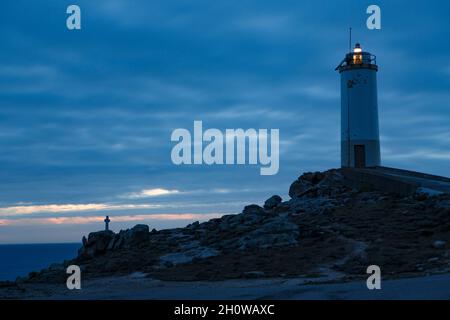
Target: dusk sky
{"type": "Point", "coordinates": [86, 116]}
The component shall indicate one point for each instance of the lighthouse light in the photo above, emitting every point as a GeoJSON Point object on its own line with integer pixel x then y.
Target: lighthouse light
{"type": "Point", "coordinates": [357, 54]}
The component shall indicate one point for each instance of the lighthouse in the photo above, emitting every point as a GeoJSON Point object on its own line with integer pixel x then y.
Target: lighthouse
{"type": "Point", "coordinates": [360, 138]}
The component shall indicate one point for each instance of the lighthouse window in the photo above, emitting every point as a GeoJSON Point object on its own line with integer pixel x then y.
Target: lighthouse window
{"type": "Point", "coordinates": [357, 54]}
{"type": "Point", "coordinates": [357, 58]}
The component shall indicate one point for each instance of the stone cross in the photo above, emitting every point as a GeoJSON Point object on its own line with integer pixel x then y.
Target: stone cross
{"type": "Point", "coordinates": [107, 223]}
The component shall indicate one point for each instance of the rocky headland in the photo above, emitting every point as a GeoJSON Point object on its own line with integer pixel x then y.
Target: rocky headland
{"type": "Point", "coordinates": [330, 228]}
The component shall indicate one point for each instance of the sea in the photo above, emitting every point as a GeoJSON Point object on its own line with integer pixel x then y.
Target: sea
{"type": "Point", "coordinates": [17, 260]}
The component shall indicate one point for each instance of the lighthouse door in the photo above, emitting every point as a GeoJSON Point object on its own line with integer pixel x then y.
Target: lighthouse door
{"type": "Point", "coordinates": [360, 156]}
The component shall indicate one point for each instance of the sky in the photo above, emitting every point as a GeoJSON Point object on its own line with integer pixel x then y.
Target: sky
{"type": "Point", "coordinates": [86, 116]}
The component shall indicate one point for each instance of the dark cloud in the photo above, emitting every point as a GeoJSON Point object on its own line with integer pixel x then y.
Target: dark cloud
{"type": "Point", "coordinates": [86, 117]}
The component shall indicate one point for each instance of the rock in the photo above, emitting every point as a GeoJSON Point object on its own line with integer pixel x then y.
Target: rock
{"type": "Point", "coordinates": [237, 222]}
{"type": "Point", "coordinates": [136, 235]}
{"type": "Point", "coordinates": [114, 264]}
{"type": "Point", "coordinates": [444, 204]}
{"type": "Point", "coordinates": [275, 232]}
{"type": "Point", "coordinates": [253, 209]}
{"type": "Point", "coordinates": [116, 242]}
{"type": "Point", "coordinates": [327, 221]}
{"type": "Point", "coordinates": [56, 267]}
{"type": "Point", "coordinates": [278, 225]}
{"type": "Point", "coordinates": [173, 259]}
{"type": "Point", "coordinates": [421, 196]}
{"type": "Point", "coordinates": [7, 284]}
{"type": "Point", "coordinates": [138, 275]}
{"type": "Point", "coordinates": [193, 225]}
{"type": "Point", "coordinates": [272, 202]}
{"type": "Point", "coordinates": [102, 241]}
{"type": "Point", "coordinates": [299, 187]}
{"type": "Point", "coordinates": [316, 183]}
{"type": "Point", "coordinates": [254, 274]}
{"type": "Point", "coordinates": [427, 192]}
{"type": "Point", "coordinates": [96, 244]}
{"type": "Point", "coordinates": [282, 207]}
{"type": "Point", "coordinates": [438, 244]}
{"type": "Point", "coordinates": [314, 177]}
{"type": "Point", "coordinates": [143, 228]}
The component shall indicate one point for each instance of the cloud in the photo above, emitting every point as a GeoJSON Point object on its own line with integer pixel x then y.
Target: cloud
{"type": "Point", "coordinates": [415, 155]}
{"type": "Point", "coordinates": [276, 25]}
{"type": "Point", "coordinates": [87, 129]}
{"type": "Point", "coordinates": [250, 112]}
{"type": "Point", "coordinates": [33, 71]}
{"type": "Point", "coordinates": [80, 220]}
{"type": "Point", "coordinates": [64, 208]}
{"type": "Point", "coordinates": [68, 210]}
{"type": "Point", "coordinates": [158, 192]}
{"type": "Point", "coordinates": [319, 92]}
{"type": "Point", "coordinates": [148, 193]}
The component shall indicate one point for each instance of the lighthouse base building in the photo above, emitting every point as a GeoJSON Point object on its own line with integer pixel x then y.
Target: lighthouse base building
{"type": "Point", "coordinates": [360, 139]}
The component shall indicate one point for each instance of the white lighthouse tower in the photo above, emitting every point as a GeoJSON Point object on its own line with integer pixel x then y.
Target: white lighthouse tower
{"type": "Point", "coordinates": [360, 138]}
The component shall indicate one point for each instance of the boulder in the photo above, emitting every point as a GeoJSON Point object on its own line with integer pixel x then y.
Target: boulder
{"type": "Point", "coordinates": [173, 259]}
{"type": "Point", "coordinates": [313, 177]}
{"type": "Point", "coordinates": [116, 242]}
{"type": "Point", "coordinates": [427, 193]}
{"type": "Point", "coordinates": [136, 235]}
{"type": "Point", "coordinates": [96, 244]}
{"type": "Point", "coordinates": [299, 187]}
{"type": "Point", "coordinates": [438, 244]}
{"type": "Point", "coordinates": [272, 202]}
{"type": "Point", "coordinates": [275, 232]}
{"type": "Point", "coordinates": [102, 241]}
{"type": "Point", "coordinates": [143, 228]}
{"type": "Point", "coordinates": [253, 209]}
{"type": "Point", "coordinates": [277, 226]}
{"type": "Point", "coordinates": [193, 225]}
{"type": "Point", "coordinates": [318, 184]}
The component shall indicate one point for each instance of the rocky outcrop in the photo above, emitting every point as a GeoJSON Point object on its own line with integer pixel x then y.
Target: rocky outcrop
{"type": "Point", "coordinates": [199, 252]}
{"type": "Point", "coordinates": [255, 228]}
{"type": "Point", "coordinates": [96, 244]}
{"type": "Point", "coordinates": [313, 184]}
{"type": "Point", "coordinates": [272, 202]}
{"type": "Point", "coordinates": [327, 224]}
{"type": "Point", "coordinates": [253, 209]}
{"type": "Point", "coordinates": [102, 241]}
{"type": "Point", "coordinates": [275, 232]}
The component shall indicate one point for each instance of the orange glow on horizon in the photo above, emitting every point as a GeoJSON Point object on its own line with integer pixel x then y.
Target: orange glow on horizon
{"type": "Point", "coordinates": [99, 219]}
